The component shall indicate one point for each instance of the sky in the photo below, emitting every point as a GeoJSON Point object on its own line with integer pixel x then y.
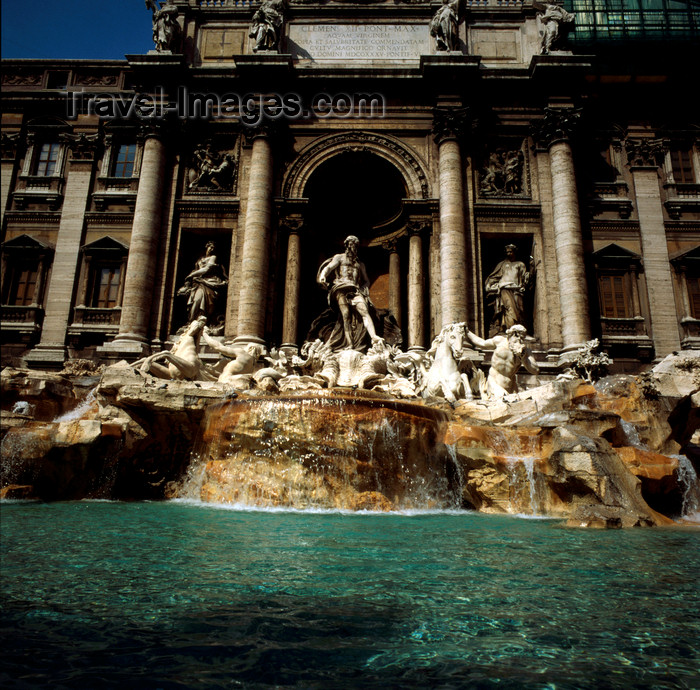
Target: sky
{"type": "Point", "coordinates": [82, 29]}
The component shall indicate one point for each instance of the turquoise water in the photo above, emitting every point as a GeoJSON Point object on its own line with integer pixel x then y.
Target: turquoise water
{"type": "Point", "coordinates": [176, 595]}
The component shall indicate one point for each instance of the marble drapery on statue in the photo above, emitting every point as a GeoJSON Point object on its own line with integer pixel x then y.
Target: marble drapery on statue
{"type": "Point", "coordinates": [204, 286]}
{"type": "Point", "coordinates": [351, 321]}
{"type": "Point", "coordinates": [556, 22]}
{"type": "Point", "coordinates": [166, 29]}
{"type": "Point", "coordinates": [506, 287]}
{"type": "Point", "coordinates": [444, 26]}
{"type": "Point", "coordinates": [267, 24]}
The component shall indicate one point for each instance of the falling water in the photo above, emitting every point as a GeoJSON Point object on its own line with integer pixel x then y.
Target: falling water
{"type": "Point", "coordinates": [80, 410]}
{"type": "Point", "coordinates": [688, 479]}
{"type": "Point", "coordinates": [344, 451]}
{"type": "Point", "coordinates": [632, 435]}
{"type": "Point", "coordinates": [520, 454]}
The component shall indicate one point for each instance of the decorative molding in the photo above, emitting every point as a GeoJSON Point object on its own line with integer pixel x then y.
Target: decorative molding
{"type": "Point", "coordinates": [109, 218]}
{"type": "Point", "coordinates": [40, 217]}
{"type": "Point", "coordinates": [391, 149]}
{"type": "Point", "coordinates": [494, 211]}
{"type": "Point", "coordinates": [83, 147]}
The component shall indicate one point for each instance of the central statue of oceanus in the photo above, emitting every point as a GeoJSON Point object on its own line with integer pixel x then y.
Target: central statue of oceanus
{"type": "Point", "coordinates": [351, 321]}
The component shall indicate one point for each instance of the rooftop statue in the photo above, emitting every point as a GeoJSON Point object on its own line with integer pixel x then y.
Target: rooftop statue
{"type": "Point", "coordinates": [204, 286]}
{"type": "Point", "coordinates": [555, 21]}
{"type": "Point", "coordinates": [444, 26]}
{"type": "Point", "coordinates": [352, 322]}
{"type": "Point", "coordinates": [510, 352]}
{"type": "Point", "coordinates": [267, 24]}
{"type": "Point", "coordinates": [505, 289]}
{"type": "Point", "coordinates": [166, 29]}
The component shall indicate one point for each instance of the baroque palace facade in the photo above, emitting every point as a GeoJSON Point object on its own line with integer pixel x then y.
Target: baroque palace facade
{"type": "Point", "coordinates": [239, 154]}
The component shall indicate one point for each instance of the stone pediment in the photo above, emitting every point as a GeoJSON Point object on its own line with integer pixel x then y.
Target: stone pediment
{"type": "Point", "coordinates": [614, 252]}
{"type": "Point", "coordinates": [25, 243]}
{"type": "Point", "coordinates": [106, 244]}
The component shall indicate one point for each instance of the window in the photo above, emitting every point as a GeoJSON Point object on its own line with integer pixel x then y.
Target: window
{"type": "Point", "coordinates": [693, 284]}
{"type": "Point", "coordinates": [25, 262]}
{"type": "Point", "coordinates": [124, 161]}
{"type": "Point", "coordinates": [105, 280]}
{"type": "Point", "coordinates": [103, 276]}
{"type": "Point", "coordinates": [682, 164]}
{"type": "Point", "coordinates": [21, 286]}
{"type": "Point", "coordinates": [47, 160]}
{"type": "Point", "coordinates": [614, 296]}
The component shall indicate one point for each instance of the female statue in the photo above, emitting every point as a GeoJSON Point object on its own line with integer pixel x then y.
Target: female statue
{"type": "Point", "coordinates": [204, 285]}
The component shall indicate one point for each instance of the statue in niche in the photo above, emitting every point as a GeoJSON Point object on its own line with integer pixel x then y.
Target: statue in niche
{"type": "Point", "coordinates": [204, 286]}
{"type": "Point", "coordinates": [444, 26]}
{"type": "Point", "coordinates": [166, 29]}
{"type": "Point", "coordinates": [503, 174]}
{"type": "Point", "coordinates": [351, 322]}
{"type": "Point", "coordinates": [505, 288]}
{"type": "Point", "coordinates": [510, 352]}
{"type": "Point", "coordinates": [266, 27]}
{"type": "Point", "coordinates": [556, 22]}
{"type": "Point", "coordinates": [211, 170]}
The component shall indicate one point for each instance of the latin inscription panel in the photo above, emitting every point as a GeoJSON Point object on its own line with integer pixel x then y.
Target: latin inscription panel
{"type": "Point", "coordinates": [359, 41]}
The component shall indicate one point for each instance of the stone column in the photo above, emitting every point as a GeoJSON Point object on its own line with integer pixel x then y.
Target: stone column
{"type": "Point", "coordinates": [143, 251]}
{"type": "Point", "coordinates": [416, 313]}
{"type": "Point", "coordinates": [292, 282]}
{"type": "Point", "coordinates": [51, 350]}
{"type": "Point", "coordinates": [573, 291]}
{"type": "Point", "coordinates": [254, 268]}
{"type": "Point", "coordinates": [644, 156]}
{"type": "Point", "coordinates": [448, 127]}
{"type": "Point", "coordinates": [394, 280]}
{"type": "Point", "coordinates": [139, 281]}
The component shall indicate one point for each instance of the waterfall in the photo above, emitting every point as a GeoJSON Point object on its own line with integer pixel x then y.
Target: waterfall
{"type": "Point", "coordinates": [79, 411]}
{"type": "Point", "coordinates": [688, 480]}
{"type": "Point", "coordinates": [632, 435]}
{"type": "Point", "coordinates": [349, 450]}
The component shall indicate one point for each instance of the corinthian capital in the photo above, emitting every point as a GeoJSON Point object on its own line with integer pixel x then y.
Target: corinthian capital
{"type": "Point", "coordinates": [646, 153]}
{"type": "Point", "coordinates": [452, 123]}
{"type": "Point", "coordinates": [558, 124]}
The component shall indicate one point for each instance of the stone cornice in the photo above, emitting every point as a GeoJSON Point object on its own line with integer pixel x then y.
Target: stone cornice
{"type": "Point", "coordinates": [33, 217]}
{"type": "Point", "coordinates": [108, 218]}
{"type": "Point", "coordinates": [219, 206]}
{"type": "Point", "coordinates": [506, 211]}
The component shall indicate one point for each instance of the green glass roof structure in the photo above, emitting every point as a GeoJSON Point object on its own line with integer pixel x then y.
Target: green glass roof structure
{"type": "Point", "coordinates": [634, 20]}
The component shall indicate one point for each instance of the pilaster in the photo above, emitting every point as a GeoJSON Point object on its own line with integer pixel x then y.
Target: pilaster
{"type": "Point", "coordinates": [644, 156]}
{"type": "Point", "coordinates": [51, 350]}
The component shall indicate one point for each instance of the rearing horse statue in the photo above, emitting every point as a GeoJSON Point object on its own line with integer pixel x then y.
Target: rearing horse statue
{"type": "Point", "coordinates": [444, 378]}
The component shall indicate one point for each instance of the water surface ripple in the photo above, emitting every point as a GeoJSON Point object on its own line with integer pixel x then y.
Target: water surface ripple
{"type": "Point", "coordinates": [175, 595]}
